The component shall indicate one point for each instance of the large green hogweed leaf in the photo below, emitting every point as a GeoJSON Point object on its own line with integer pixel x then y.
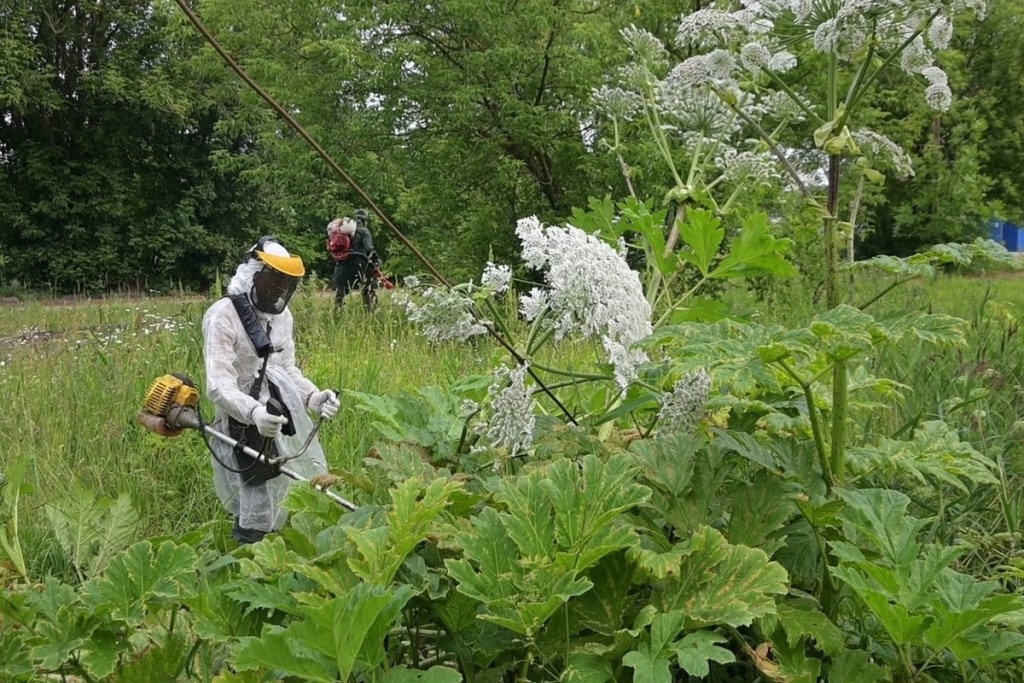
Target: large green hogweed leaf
{"type": "Point", "coordinates": [524, 562]}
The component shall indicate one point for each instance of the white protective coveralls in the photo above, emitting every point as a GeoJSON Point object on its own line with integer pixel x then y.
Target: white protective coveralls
{"type": "Point", "coordinates": [231, 368]}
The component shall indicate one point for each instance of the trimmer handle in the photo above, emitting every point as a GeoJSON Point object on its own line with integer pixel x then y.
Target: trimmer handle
{"type": "Point", "coordinates": [275, 407]}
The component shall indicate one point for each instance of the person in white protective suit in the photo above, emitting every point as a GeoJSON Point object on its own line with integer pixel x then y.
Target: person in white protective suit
{"type": "Point", "coordinates": [261, 396]}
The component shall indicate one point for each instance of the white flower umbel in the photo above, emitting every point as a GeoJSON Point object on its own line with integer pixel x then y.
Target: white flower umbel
{"type": "Point", "coordinates": [707, 27]}
{"type": "Point", "coordinates": [938, 96]}
{"type": "Point", "coordinates": [617, 103]}
{"type": "Point", "coordinates": [511, 411]}
{"type": "Point", "coordinates": [760, 29]}
{"type": "Point", "coordinates": [683, 407]}
{"type": "Point", "coordinates": [591, 291]}
{"type": "Point", "coordinates": [645, 47]}
{"type": "Point", "coordinates": [497, 277]}
{"type": "Point", "coordinates": [760, 167]}
{"type": "Point", "coordinates": [442, 314]}
{"type": "Point", "coordinates": [877, 145]}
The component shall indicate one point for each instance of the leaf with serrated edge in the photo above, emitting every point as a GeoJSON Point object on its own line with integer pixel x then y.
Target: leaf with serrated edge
{"type": "Point", "coordinates": [140, 575]}
{"type": "Point", "coordinates": [723, 584]}
{"type": "Point", "coordinates": [802, 618]}
{"type": "Point", "coordinates": [584, 667]}
{"type": "Point", "coordinates": [435, 674]}
{"type": "Point", "coordinates": [648, 666]}
{"type": "Point", "coordinates": [853, 666]}
{"type": "Point", "coordinates": [703, 233]}
{"type": "Point", "coordinates": [695, 650]}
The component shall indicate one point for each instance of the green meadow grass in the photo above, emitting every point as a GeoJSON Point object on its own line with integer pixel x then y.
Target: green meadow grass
{"type": "Point", "coordinates": [74, 376]}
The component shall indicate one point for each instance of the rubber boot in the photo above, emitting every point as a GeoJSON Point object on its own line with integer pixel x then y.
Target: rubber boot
{"type": "Point", "coordinates": [243, 535]}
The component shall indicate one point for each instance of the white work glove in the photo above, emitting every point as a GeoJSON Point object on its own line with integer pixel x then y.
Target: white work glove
{"type": "Point", "coordinates": [324, 403]}
{"type": "Point", "coordinates": [268, 425]}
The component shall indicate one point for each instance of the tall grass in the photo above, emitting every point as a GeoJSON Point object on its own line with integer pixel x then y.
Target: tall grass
{"type": "Point", "coordinates": [73, 378]}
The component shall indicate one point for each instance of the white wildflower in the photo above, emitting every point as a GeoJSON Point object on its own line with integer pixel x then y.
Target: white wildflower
{"type": "Point", "coordinates": [940, 32]}
{"type": "Point", "coordinates": [683, 408]}
{"type": "Point", "coordinates": [531, 234]}
{"type": "Point", "coordinates": [617, 103]}
{"type": "Point", "coordinates": [468, 409]}
{"type": "Point", "coordinates": [512, 411]}
{"type": "Point", "coordinates": [645, 47]}
{"type": "Point", "coordinates": [591, 291]}
{"type": "Point", "coordinates": [781, 105]}
{"type": "Point", "coordinates": [634, 75]}
{"type": "Point", "coordinates": [879, 146]}
{"type": "Point", "coordinates": [497, 277]}
{"type": "Point", "coordinates": [757, 166]}
{"type": "Point", "coordinates": [688, 74]}
{"type": "Point", "coordinates": [781, 62]}
{"type": "Point", "coordinates": [938, 96]}
{"type": "Point", "coordinates": [826, 36]}
{"type": "Point", "coordinates": [706, 28]}
{"type": "Point", "coordinates": [699, 111]}
{"type": "Point", "coordinates": [935, 75]}
{"type": "Point", "coordinates": [533, 304]}
{"type": "Point", "coordinates": [442, 315]}
{"type": "Point", "coordinates": [411, 281]}
{"type": "Point", "coordinates": [755, 57]}
{"type": "Point", "coordinates": [721, 64]}
{"type": "Point", "coordinates": [916, 57]}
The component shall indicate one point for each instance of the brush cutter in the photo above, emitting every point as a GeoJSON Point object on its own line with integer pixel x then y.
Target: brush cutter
{"type": "Point", "coordinates": [172, 406]}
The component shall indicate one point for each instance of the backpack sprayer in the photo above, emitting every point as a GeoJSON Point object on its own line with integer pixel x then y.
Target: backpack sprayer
{"type": "Point", "coordinates": [172, 405]}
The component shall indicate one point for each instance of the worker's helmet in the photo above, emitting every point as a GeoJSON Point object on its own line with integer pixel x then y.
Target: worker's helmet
{"type": "Point", "coordinates": [362, 217]}
{"type": "Point", "coordinates": [274, 284]}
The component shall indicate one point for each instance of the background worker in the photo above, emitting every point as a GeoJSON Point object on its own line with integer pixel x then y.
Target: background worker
{"type": "Point", "coordinates": [350, 245]}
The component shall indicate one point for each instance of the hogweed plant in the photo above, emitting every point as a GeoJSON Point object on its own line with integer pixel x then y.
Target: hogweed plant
{"type": "Point", "coordinates": [702, 517]}
{"type": "Point", "coordinates": [735, 88]}
{"type": "Point", "coordinates": [589, 292]}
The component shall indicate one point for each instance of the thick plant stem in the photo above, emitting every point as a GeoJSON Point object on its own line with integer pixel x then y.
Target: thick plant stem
{"type": "Point", "coordinates": [837, 458]}
{"type": "Point", "coordinates": [812, 414]}
{"type": "Point", "coordinates": [851, 239]}
{"type": "Point", "coordinates": [839, 396]}
{"type": "Point", "coordinates": [670, 245]}
{"type": "Point", "coordinates": [524, 668]}
{"type": "Point", "coordinates": [831, 242]}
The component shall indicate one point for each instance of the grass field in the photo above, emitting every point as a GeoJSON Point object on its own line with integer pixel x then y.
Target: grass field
{"type": "Point", "coordinates": [74, 375]}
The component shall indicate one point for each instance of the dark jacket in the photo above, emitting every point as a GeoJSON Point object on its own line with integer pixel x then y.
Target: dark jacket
{"type": "Point", "coordinates": [362, 241]}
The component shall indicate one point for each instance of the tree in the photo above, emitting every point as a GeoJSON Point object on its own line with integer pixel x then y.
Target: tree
{"type": "Point", "coordinates": [105, 171]}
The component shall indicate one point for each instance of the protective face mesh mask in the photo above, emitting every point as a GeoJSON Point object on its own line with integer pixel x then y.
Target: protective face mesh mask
{"type": "Point", "coordinates": [272, 290]}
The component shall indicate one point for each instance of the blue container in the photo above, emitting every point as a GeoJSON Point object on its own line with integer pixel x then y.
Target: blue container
{"type": "Point", "coordinates": [996, 231]}
{"type": "Point", "coordinates": [1011, 237]}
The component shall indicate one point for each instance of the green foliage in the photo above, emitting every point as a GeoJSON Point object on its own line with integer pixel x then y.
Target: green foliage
{"type": "Point", "coordinates": [334, 638]}
{"type": "Point", "coordinates": [918, 599]}
{"type": "Point", "coordinates": [596, 557]}
{"type": "Point", "coordinates": [11, 484]}
{"type": "Point", "coordinates": [754, 251]}
{"type": "Point", "coordinates": [525, 563]}
{"type": "Point", "coordinates": [651, 661]}
{"type": "Point", "coordinates": [935, 456]}
{"type": "Point", "coordinates": [92, 530]}
{"type": "Point", "coordinates": [106, 179]}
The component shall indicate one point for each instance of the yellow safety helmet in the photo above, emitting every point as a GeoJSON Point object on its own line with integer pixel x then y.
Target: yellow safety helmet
{"type": "Point", "coordinates": [274, 284]}
{"type": "Point", "coordinates": [269, 250]}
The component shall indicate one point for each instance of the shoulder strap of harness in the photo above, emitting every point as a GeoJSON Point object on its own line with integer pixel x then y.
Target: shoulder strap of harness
{"type": "Point", "coordinates": [259, 337]}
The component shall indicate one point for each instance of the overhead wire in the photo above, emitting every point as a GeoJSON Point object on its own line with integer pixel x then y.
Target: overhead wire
{"type": "Point", "coordinates": [366, 199]}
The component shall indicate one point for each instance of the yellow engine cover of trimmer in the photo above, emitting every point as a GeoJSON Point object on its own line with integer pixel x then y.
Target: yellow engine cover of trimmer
{"type": "Point", "coordinates": [169, 391]}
